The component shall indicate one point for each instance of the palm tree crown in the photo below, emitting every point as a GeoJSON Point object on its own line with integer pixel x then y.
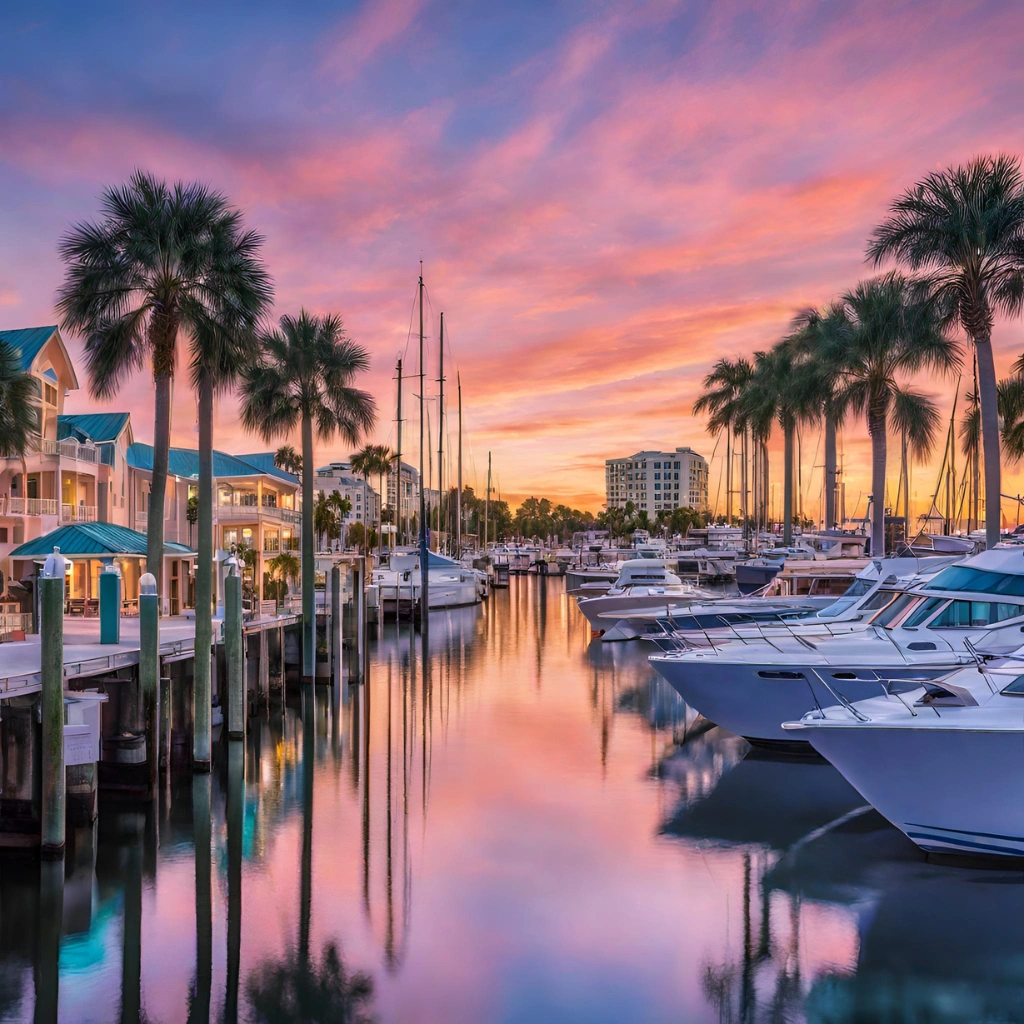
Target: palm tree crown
{"type": "Point", "coordinates": [17, 415]}
{"type": "Point", "coordinates": [964, 227]}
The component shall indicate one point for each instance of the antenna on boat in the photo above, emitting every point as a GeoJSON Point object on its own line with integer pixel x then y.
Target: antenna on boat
{"type": "Point", "coordinates": [424, 601]}
{"type": "Point", "coordinates": [398, 460]}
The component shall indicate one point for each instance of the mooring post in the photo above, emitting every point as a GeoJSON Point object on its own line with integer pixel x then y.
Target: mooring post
{"type": "Point", "coordinates": [336, 625]}
{"type": "Point", "coordinates": [51, 672]}
{"type": "Point", "coordinates": [359, 600]}
{"type": "Point", "coordinates": [165, 723]}
{"type": "Point", "coordinates": [234, 654]}
{"type": "Point", "coordinates": [264, 695]}
{"type": "Point", "coordinates": [236, 825]}
{"type": "Point", "coordinates": [149, 675]}
{"type": "Point", "coordinates": [48, 932]}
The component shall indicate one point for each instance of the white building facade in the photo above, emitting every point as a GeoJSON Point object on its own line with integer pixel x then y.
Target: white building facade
{"type": "Point", "coordinates": [655, 481]}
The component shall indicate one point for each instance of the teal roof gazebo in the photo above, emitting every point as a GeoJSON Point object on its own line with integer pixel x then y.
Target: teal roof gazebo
{"type": "Point", "coordinates": [93, 540]}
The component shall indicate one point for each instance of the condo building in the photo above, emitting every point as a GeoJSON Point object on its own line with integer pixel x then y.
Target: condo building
{"type": "Point", "coordinates": [655, 481]}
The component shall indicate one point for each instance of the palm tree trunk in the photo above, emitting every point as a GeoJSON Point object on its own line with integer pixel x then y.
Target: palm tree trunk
{"type": "Point", "coordinates": [987, 396]}
{"type": "Point", "coordinates": [877, 429]}
{"type": "Point", "coordinates": [158, 481]}
{"type": "Point", "coordinates": [201, 741]}
{"type": "Point", "coordinates": [745, 508]}
{"type": "Point", "coordinates": [765, 480]}
{"type": "Point", "coordinates": [787, 485]}
{"type": "Point", "coordinates": [831, 464]}
{"type": "Point", "coordinates": [308, 569]}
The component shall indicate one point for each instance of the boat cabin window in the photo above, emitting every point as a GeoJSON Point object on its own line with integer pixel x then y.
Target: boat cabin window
{"type": "Point", "coordinates": [972, 614]}
{"type": "Point", "coordinates": [924, 611]}
{"type": "Point", "coordinates": [857, 589]}
{"type": "Point", "coordinates": [893, 611]}
{"type": "Point", "coordinates": [981, 581]}
{"type": "Point", "coordinates": [1016, 688]}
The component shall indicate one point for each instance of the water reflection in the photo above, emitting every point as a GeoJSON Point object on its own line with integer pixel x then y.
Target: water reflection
{"type": "Point", "coordinates": [505, 821]}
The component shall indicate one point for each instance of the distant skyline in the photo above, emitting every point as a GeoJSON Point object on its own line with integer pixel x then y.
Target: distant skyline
{"type": "Point", "coordinates": [606, 197]}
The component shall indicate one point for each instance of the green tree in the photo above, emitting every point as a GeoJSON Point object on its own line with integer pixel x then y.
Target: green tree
{"type": "Point", "coordinates": [288, 459]}
{"type": "Point", "coordinates": [893, 330]}
{"type": "Point", "coordinates": [284, 566]}
{"type": "Point", "coordinates": [17, 414]}
{"type": "Point", "coordinates": [356, 535]}
{"type": "Point", "coordinates": [303, 377]}
{"type": "Point", "coordinates": [372, 460]}
{"type": "Point", "coordinates": [162, 263]}
{"type": "Point", "coordinates": [964, 227]}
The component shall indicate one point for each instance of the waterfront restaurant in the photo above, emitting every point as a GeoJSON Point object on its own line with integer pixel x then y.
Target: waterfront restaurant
{"type": "Point", "coordinates": [90, 547]}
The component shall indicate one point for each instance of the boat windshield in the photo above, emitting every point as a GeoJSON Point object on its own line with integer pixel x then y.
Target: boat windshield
{"type": "Point", "coordinates": [980, 581]}
{"type": "Point", "coordinates": [856, 590]}
{"type": "Point", "coordinates": [894, 610]}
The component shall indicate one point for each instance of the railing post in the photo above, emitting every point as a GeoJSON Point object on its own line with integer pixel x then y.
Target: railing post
{"type": "Point", "coordinates": [51, 589]}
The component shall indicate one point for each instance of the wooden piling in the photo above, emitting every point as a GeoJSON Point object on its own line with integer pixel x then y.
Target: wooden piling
{"type": "Point", "coordinates": [52, 710]}
{"type": "Point", "coordinates": [336, 625]}
{"type": "Point", "coordinates": [234, 655]}
{"type": "Point", "coordinates": [149, 675]}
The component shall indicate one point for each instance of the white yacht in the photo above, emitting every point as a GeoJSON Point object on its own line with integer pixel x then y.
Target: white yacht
{"type": "Point", "coordinates": [873, 588]}
{"type": "Point", "coordinates": [942, 762]}
{"type": "Point", "coordinates": [642, 582]}
{"type": "Point", "coordinates": [752, 686]}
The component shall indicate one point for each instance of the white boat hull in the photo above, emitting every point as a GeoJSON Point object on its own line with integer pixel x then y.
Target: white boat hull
{"type": "Point", "coordinates": [949, 790]}
{"type": "Point", "coordinates": [753, 700]}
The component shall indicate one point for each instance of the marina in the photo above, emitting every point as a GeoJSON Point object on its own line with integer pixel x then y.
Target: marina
{"type": "Point", "coordinates": [635, 863]}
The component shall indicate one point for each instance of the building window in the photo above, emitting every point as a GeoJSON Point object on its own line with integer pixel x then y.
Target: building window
{"type": "Point", "coordinates": [657, 465]}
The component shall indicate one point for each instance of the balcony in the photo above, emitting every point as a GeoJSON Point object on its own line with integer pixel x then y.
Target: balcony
{"type": "Point", "coordinates": [29, 506]}
{"type": "Point", "coordinates": [70, 450]}
{"type": "Point", "coordinates": [252, 513]}
{"type": "Point", "coordinates": [78, 513]}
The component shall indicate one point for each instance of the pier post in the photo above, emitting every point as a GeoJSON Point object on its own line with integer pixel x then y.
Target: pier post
{"type": "Point", "coordinates": [336, 625]}
{"type": "Point", "coordinates": [202, 829]}
{"type": "Point", "coordinates": [51, 600]}
{"type": "Point", "coordinates": [359, 598]}
{"type": "Point", "coordinates": [264, 694]}
{"type": "Point", "coordinates": [48, 931]}
{"type": "Point", "coordinates": [234, 653]}
{"type": "Point", "coordinates": [235, 815]}
{"type": "Point", "coordinates": [149, 675]}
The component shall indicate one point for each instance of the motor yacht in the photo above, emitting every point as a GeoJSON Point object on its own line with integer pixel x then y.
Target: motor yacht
{"type": "Point", "coordinates": [872, 589]}
{"type": "Point", "coordinates": [642, 582]}
{"type": "Point", "coordinates": [942, 761]}
{"type": "Point", "coordinates": [752, 686]}
{"type": "Point", "coordinates": [449, 584]}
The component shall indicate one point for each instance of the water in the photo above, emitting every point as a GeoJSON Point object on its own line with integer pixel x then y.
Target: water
{"type": "Point", "coordinates": [542, 833]}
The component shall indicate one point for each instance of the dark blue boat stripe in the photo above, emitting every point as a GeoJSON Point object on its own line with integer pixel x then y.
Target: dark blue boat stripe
{"type": "Point", "coordinates": [963, 842]}
{"type": "Point", "coordinates": [966, 832]}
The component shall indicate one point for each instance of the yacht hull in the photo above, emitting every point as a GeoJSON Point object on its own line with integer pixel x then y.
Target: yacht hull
{"type": "Point", "coordinates": [754, 699]}
{"type": "Point", "coordinates": [953, 791]}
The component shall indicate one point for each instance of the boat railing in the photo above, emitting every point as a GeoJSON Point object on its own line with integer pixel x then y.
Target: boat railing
{"type": "Point", "coordinates": [840, 697]}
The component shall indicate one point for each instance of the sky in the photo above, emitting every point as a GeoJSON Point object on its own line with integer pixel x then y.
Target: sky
{"type": "Point", "coordinates": [606, 197]}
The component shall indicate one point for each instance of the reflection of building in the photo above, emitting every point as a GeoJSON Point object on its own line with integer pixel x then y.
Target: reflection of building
{"type": "Point", "coordinates": [653, 481]}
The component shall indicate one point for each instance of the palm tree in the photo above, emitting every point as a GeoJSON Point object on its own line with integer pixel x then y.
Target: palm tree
{"type": "Point", "coordinates": [722, 401]}
{"type": "Point", "coordinates": [156, 267]}
{"type": "Point", "coordinates": [341, 508]}
{"type": "Point", "coordinates": [17, 413]}
{"type": "Point", "coordinates": [894, 329]}
{"type": "Point", "coordinates": [288, 459]}
{"type": "Point", "coordinates": [283, 565]}
{"type": "Point", "coordinates": [303, 376]}
{"type": "Point", "coordinates": [814, 339]}
{"type": "Point", "coordinates": [965, 228]}
{"type": "Point", "coordinates": [324, 520]}
{"type": "Point", "coordinates": [370, 460]}
{"type": "Point", "coordinates": [780, 390]}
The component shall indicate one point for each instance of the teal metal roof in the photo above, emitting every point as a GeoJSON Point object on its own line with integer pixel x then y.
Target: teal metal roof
{"type": "Point", "coordinates": [96, 540]}
{"type": "Point", "coordinates": [97, 426]}
{"type": "Point", "coordinates": [185, 462]}
{"type": "Point", "coordinates": [28, 341]}
{"type": "Point", "coordinates": [264, 461]}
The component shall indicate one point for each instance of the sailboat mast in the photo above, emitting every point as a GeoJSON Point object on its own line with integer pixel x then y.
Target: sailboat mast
{"type": "Point", "coordinates": [399, 520]}
{"type": "Point", "coordinates": [440, 436]}
{"type": "Point", "coordinates": [458, 496]}
{"type": "Point", "coordinates": [487, 505]}
{"type": "Point", "coordinates": [424, 601]}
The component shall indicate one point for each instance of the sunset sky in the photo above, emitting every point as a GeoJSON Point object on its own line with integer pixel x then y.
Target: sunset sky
{"type": "Point", "coordinates": [606, 196]}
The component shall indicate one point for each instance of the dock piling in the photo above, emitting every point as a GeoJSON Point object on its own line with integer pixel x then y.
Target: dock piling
{"type": "Point", "coordinates": [51, 590]}
{"type": "Point", "coordinates": [234, 653]}
{"type": "Point", "coordinates": [336, 625]}
{"type": "Point", "coordinates": [149, 675]}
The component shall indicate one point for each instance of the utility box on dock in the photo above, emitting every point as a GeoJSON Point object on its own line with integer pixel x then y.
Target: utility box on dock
{"type": "Point", "coordinates": [110, 605]}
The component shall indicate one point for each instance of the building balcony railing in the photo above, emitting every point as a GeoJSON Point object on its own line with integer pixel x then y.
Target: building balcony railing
{"type": "Point", "coordinates": [78, 513]}
{"type": "Point", "coordinates": [29, 506]}
{"type": "Point", "coordinates": [253, 512]}
{"type": "Point", "coordinates": [70, 450]}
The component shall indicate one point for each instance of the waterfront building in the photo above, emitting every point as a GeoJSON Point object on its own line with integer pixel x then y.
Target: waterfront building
{"type": "Point", "coordinates": [406, 501]}
{"type": "Point", "coordinates": [338, 476]}
{"type": "Point", "coordinates": [654, 481]}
